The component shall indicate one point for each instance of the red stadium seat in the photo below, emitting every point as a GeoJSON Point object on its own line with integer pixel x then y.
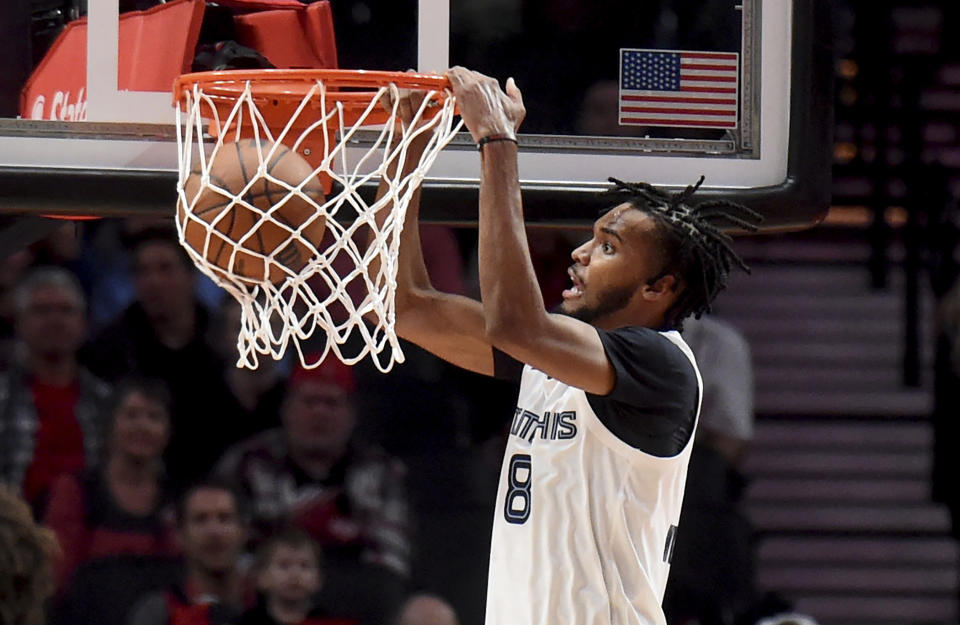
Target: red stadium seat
{"type": "Point", "coordinates": [262, 5]}
{"type": "Point", "coordinates": [159, 44]}
{"type": "Point", "coordinates": [156, 46]}
{"type": "Point", "coordinates": [291, 38]}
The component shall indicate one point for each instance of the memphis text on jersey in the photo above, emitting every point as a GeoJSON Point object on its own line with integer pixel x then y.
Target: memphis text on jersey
{"type": "Point", "coordinates": [551, 426]}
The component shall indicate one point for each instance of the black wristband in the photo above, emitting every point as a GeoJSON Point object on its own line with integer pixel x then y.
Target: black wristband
{"type": "Point", "coordinates": [494, 138]}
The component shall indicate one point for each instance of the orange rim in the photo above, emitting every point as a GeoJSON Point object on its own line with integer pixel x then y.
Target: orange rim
{"type": "Point", "coordinates": [278, 92]}
{"type": "Point", "coordinates": [72, 217]}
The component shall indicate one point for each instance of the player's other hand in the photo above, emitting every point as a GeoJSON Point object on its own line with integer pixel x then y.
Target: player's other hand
{"type": "Point", "coordinates": [408, 103]}
{"type": "Point", "coordinates": [485, 108]}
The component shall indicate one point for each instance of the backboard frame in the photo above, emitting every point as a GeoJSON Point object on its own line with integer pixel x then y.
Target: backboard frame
{"type": "Point", "coordinates": [801, 199]}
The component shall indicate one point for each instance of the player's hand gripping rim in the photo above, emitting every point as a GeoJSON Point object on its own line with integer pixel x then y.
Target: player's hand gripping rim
{"type": "Point", "coordinates": [487, 110]}
{"type": "Point", "coordinates": [406, 106]}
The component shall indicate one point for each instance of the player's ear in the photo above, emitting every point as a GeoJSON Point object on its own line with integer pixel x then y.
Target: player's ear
{"type": "Point", "coordinates": [658, 288]}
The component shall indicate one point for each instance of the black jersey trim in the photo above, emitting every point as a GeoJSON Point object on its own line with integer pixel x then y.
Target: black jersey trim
{"type": "Point", "coordinates": [506, 367]}
{"type": "Point", "coordinates": [653, 404]}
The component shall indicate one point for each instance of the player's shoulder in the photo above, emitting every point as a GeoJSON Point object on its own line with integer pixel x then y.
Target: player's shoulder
{"type": "Point", "coordinates": [653, 404]}
{"type": "Point", "coordinates": [646, 353]}
{"type": "Point", "coordinates": [666, 343]}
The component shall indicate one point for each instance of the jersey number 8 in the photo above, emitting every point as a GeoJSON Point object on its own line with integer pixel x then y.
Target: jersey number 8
{"type": "Point", "coordinates": [516, 508]}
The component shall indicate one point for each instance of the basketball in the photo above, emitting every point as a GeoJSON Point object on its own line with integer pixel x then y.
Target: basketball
{"type": "Point", "coordinates": [217, 226]}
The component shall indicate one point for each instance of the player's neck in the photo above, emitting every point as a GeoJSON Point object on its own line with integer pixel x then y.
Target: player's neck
{"type": "Point", "coordinates": [642, 317]}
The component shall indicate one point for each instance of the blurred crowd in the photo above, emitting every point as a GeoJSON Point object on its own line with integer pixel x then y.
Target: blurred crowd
{"type": "Point", "coordinates": [177, 484]}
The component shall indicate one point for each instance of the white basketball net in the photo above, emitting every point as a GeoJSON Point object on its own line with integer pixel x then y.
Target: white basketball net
{"type": "Point", "coordinates": [321, 308]}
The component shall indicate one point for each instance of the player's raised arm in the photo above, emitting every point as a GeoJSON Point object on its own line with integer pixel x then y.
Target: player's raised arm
{"type": "Point", "coordinates": [516, 319]}
{"type": "Point", "coordinates": [447, 325]}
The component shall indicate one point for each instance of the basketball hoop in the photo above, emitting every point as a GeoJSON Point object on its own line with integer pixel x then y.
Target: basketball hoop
{"type": "Point", "coordinates": [232, 229]}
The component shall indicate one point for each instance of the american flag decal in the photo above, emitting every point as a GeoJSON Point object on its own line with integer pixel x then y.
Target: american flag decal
{"type": "Point", "coordinates": [677, 88]}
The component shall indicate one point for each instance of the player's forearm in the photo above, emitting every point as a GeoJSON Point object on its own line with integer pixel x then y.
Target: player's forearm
{"type": "Point", "coordinates": [411, 268]}
{"type": "Point", "coordinates": [512, 303]}
{"type": "Point", "coordinates": [448, 326]}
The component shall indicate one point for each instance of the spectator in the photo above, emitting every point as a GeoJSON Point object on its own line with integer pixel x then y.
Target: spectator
{"type": "Point", "coordinates": [211, 530]}
{"type": "Point", "coordinates": [711, 576]}
{"type": "Point", "coordinates": [599, 113]}
{"type": "Point", "coordinates": [12, 269]}
{"type": "Point", "coordinates": [61, 248]}
{"type": "Point", "coordinates": [120, 507]}
{"type": "Point", "coordinates": [427, 610]}
{"type": "Point", "coordinates": [27, 552]}
{"type": "Point", "coordinates": [255, 394]}
{"type": "Point", "coordinates": [726, 417]}
{"type": "Point", "coordinates": [107, 271]}
{"type": "Point", "coordinates": [288, 573]}
{"type": "Point", "coordinates": [163, 335]}
{"type": "Point", "coordinates": [314, 474]}
{"type": "Point", "coordinates": [50, 407]}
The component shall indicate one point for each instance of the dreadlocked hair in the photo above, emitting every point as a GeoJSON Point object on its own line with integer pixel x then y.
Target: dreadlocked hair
{"type": "Point", "coordinates": [696, 250]}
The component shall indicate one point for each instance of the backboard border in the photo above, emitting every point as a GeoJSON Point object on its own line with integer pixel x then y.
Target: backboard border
{"type": "Point", "coordinates": [803, 197]}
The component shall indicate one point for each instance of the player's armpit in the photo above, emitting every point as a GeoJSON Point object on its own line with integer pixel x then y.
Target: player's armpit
{"type": "Point", "coordinates": [563, 348]}
{"type": "Point", "coordinates": [448, 326]}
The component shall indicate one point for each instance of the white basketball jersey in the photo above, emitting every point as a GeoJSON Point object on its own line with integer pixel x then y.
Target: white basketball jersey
{"type": "Point", "coordinates": [584, 524]}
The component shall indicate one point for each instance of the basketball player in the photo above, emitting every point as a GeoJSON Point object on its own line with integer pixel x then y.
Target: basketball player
{"type": "Point", "coordinates": [594, 470]}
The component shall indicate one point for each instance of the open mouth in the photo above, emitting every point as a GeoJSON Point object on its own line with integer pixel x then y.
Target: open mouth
{"type": "Point", "coordinates": [576, 289]}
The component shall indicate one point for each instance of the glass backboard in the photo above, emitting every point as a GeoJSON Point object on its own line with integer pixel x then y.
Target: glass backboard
{"type": "Point", "coordinates": [662, 92]}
